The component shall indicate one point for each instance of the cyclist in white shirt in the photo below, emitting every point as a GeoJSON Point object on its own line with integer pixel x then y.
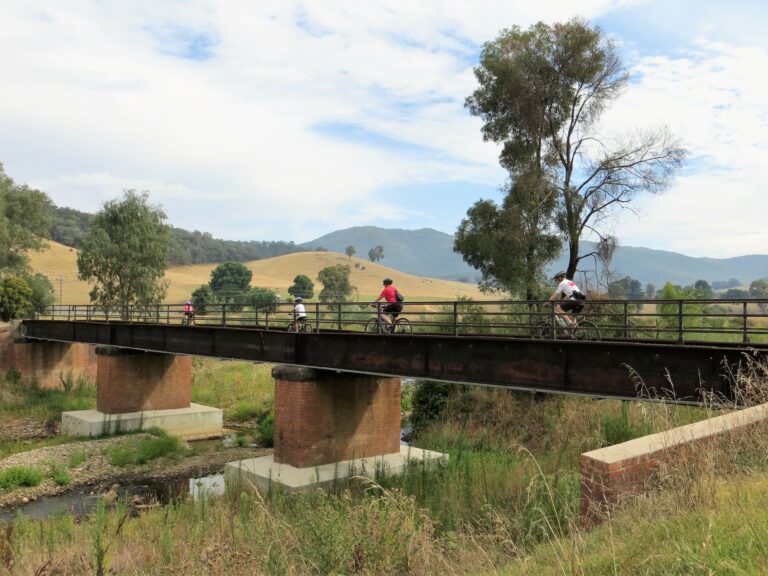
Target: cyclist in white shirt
{"type": "Point", "coordinates": [567, 297]}
{"type": "Point", "coordinates": [300, 313]}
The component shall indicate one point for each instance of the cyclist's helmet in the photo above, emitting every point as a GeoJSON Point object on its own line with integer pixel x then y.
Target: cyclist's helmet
{"type": "Point", "coordinates": [188, 302]}
{"type": "Point", "coordinates": [387, 281]}
{"type": "Point", "coordinates": [558, 275]}
{"type": "Point", "coordinates": [298, 299]}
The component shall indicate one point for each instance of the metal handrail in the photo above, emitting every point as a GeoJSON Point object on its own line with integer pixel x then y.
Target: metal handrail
{"type": "Point", "coordinates": [687, 320]}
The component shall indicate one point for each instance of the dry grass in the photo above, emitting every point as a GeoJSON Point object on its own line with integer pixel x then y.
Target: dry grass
{"type": "Point", "coordinates": [274, 273]}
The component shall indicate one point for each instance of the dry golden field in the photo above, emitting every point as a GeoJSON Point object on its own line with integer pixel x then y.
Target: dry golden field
{"type": "Point", "coordinates": [58, 262]}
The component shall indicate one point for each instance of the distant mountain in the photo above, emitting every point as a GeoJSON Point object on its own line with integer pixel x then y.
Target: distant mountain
{"type": "Point", "coordinates": [427, 252]}
{"type": "Point", "coordinates": [424, 252]}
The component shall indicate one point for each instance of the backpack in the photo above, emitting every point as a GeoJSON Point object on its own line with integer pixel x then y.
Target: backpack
{"type": "Point", "coordinates": [399, 297]}
{"type": "Point", "coordinates": [579, 296]}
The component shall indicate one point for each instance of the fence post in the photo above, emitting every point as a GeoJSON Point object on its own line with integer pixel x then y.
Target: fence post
{"type": "Point", "coordinates": [680, 338]}
{"type": "Point", "coordinates": [339, 316]}
{"type": "Point", "coordinates": [223, 314]}
{"type": "Point", "coordinates": [317, 316]}
{"type": "Point", "coordinates": [455, 318]}
{"type": "Point", "coordinates": [745, 337]}
{"type": "Point", "coordinates": [626, 320]}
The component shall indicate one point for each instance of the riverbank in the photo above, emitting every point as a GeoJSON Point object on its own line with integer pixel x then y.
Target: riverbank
{"type": "Point", "coordinates": [91, 464]}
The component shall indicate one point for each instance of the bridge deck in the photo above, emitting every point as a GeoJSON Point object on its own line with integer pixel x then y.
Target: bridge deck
{"type": "Point", "coordinates": [683, 373]}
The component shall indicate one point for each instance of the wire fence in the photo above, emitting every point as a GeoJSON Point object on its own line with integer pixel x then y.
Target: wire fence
{"type": "Point", "coordinates": [742, 321]}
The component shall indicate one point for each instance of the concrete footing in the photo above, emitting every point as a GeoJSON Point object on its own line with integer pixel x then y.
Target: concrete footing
{"type": "Point", "coordinates": [196, 421]}
{"type": "Point", "coordinates": [264, 473]}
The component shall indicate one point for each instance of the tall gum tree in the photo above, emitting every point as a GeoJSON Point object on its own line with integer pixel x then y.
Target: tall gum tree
{"type": "Point", "coordinates": [124, 256]}
{"type": "Point", "coordinates": [541, 93]}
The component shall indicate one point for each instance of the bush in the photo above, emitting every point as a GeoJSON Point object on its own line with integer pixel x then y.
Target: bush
{"type": "Point", "coordinates": [428, 402]}
{"type": "Point", "coordinates": [618, 429]}
{"type": "Point", "coordinates": [15, 476]}
{"type": "Point", "coordinates": [266, 431]}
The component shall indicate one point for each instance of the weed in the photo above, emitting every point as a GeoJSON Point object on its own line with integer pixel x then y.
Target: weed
{"type": "Point", "coordinates": [76, 458]}
{"type": "Point", "coordinates": [16, 476]}
{"type": "Point", "coordinates": [266, 430]}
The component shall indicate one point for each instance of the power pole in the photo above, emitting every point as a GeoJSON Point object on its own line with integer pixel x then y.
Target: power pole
{"type": "Point", "coordinates": [60, 278]}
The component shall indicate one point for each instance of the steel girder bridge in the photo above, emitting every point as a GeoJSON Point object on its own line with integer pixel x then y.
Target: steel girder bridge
{"type": "Point", "coordinates": [681, 372]}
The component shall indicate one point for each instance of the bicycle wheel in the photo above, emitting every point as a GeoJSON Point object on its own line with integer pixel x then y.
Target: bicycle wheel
{"type": "Point", "coordinates": [307, 328]}
{"type": "Point", "coordinates": [542, 330]}
{"type": "Point", "coordinates": [587, 331]}
{"type": "Point", "coordinates": [292, 327]}
{"type": "Point", "coordinates": [185, 320]}
{"type": "Point", "coordinates": [403, 326]}
{"type": "Point", "coordinates": [373, 326]}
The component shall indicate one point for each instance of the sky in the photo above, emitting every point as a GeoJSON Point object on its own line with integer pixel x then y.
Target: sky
{"type": "Point", "coordinates": [287, 120]}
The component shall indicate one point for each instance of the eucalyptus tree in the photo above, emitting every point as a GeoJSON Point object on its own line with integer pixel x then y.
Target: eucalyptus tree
{"type": "Point", "coordinates": [124, 254]}
{"type": "Point", "coordinates": [512, 243]}
{"type": "Point", "coordinates": [541, 94]}
{"type": "Point", "coordinates": [24, 224]}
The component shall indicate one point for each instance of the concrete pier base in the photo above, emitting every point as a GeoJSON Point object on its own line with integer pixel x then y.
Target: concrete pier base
{"type": "Point", "coordinates": [264, 473]}
{"type": "Point", "coordinates": [194, 422]}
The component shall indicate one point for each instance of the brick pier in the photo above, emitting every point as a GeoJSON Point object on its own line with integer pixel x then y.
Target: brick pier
{"type": "Point", "coordinates": [329, 426]}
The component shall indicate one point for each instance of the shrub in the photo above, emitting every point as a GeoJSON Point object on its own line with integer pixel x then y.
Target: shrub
{"type": "Point", "coordinates": [429, 400]}
{"type": "Point", "coordinates": [15, 476]}
{"type": "Point", "coordinates": [266, 431]}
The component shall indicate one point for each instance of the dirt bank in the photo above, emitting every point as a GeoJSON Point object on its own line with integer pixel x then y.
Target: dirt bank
{"type": "Point", "coordinates": [89, 464]}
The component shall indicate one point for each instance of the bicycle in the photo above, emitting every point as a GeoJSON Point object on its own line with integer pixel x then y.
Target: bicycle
{"type": "Point", "coordinates": [581, 330]}
{"type": "Point", "coordinates": [188, 319]}
{"type": "Point", "coordinates": [297, 326]}
{"type": "Point", "coordinates": [399, 325]}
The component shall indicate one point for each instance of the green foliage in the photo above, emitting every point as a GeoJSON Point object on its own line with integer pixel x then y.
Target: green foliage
{"type": "Point", "coordinates": [59, 475]}
{"type": "Point", "coordinates": [266, 430]}
{"type": "Point", "coordinates": [262, 299]}
{"type": "Point", "coordinates": [350, 251]}
{"type": "Point", "coordinates": [24, 223]}
{"type": "Point", "coordinates": [541, 92]}
{"type": "Point", "coordinates": [230, 281]}
{"type": "Point", "coordinates": [376, 253]}
{"type": "Point", "coordinates": [124, 256]}
{"type": "Point", "coordinates": [759, 289]}
{"type": "Point", "coordinates": [145, 449]}
{"type": "Point", "coordinates": [429, 401]}
{"type": "Point", "coordinates": [16, 476]}
{"type": "Point", "coordinates": [302, 287]}
{"type": "Point", "coordinates": [70, 227]}
{"type": "Point", "coordinates": [335, 281]}
{"type": "Point", "coordinates": [512, 244]}
{"type": "Point", "coordinates": [615, 429]}
{"type": "Point", "coordinates": [202, 298]}
{"type": "Point", "coordinates": [76, 458]}
{"type": "Point", "coordinates": [626, 288]}
{"type": "Point", "coordinates": [15, 298]}
{"type": "Point", "coordinates": [246, 411]}
{"type": "Point", "coordinates": [43, 294]}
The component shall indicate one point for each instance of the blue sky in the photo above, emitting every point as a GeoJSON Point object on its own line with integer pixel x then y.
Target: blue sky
{"type": "Point", "coordinates": [287, 119]}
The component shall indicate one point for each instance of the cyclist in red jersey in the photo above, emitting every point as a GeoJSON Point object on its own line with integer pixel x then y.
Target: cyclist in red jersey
{"type": "Point", "coordinates": [389, 294]}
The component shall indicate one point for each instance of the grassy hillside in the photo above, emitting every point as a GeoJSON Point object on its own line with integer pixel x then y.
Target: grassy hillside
{"type": "Point", "coordinates": [59, 262]}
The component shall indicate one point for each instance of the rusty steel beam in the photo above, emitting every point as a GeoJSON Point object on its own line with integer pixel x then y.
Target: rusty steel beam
{"type": "Point", "coordinates": [607, 369]}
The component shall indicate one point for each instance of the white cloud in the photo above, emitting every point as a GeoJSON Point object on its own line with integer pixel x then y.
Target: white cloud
{"type": "Point", "coordinates": [713, 98]}
{"type": "Point", "coordinates": [97, 98]}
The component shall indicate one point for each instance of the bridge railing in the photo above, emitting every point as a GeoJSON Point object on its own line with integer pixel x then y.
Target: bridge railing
{"type": "Point", "coordinates": [663, 320]}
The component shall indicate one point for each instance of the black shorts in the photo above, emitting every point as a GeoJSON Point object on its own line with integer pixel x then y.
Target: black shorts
{"type": "Point", "coordinates": [575, 306]}
{"type": "Point", "coordinates": [393, 308]}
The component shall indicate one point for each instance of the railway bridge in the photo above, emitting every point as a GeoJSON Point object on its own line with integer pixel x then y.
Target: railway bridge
{"type": "Point", "coordinates": [337, 395]}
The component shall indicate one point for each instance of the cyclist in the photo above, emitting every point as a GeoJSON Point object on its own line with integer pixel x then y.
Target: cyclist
{"type": "Point", "coordinates": [572, 298]}
{"type": "Point", "coordinates": [189, 313]}
{"type": "Point", "coordinates": [393, 306]}
{"type": "Point", "coordinates": [300, 314]}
